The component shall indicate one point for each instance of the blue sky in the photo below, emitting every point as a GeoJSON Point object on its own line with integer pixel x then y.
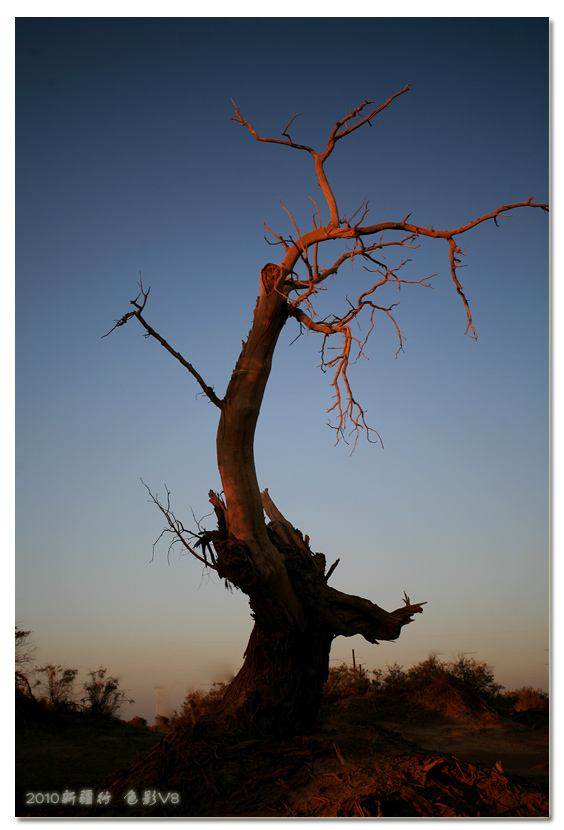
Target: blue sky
{"type": "Point", "coordinates": [127, 161]}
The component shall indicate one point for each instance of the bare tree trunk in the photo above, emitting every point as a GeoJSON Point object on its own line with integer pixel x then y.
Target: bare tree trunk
{"type": "Point", "coordinates": [246, 531]}
{"type": "Point", "coordinates": [297, 615]}
{"type": "Point", "coordinates": [278, 689]}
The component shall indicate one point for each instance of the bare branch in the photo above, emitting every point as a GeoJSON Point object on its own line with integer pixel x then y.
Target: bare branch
{"type": "Point", "coordinates": [354, 615]}
{"type": "Point", "coordinates": [208, 390]}
{"type": "Point", "coordinates": [322, 157]}
{"type": "Point", "coordinates": [318, 214]}
{"type": "Point", "coordinates": [454, 264]}
{"type": "Point", "coordinates": [420, 230]}
{"type": "Point", "coordinates": [351, 410]}
{"type": "Point", "coordinates": [281, 240]}
{"type": "Point", "coordinates": [298, 249]}
{"type": "Point", "coordinates": [331, 569]}
{"type": "Point", "coordinates": [346, 407]}
{"type": "Point", "coordinates": [289, 143]}
{"type": "Point", "coordinates": [342, 229]}
{"type": "Point", "coordinates": [285, 130]}
{"type": "Point", "coordinates": [364, 204]}
{"type": "Point", "coordinates": [123, 320]}
{"type": "Point", "coordinates": [181, 535]}
{"type": "Point", "coordinates": [336, 135]}
{"type": "Point", "coordinates": [291, 217]}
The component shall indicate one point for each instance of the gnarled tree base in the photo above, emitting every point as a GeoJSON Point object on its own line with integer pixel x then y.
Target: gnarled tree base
{"type": "Point", "coordinates": [278, 689]}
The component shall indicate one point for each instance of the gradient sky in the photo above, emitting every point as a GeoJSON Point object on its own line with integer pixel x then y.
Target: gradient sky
{"type": "Point", "coordinates": [127, 161]}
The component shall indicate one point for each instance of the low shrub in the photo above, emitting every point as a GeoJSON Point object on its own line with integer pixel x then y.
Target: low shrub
{"type": "Point", "coordinates": [55, 687]}
{"type": "Point", "coordinates": [344, 681]}
{"type": "Point", "coordinates": [457, 690]}
{"type": "Point", "coordinates": [103, 696]}
{"type": "Point", "coordinates": [523, 699]}
{"type": "Point", "coordinates": [197, 704]}
{"type": "Point", "coordinates": [139, 722]}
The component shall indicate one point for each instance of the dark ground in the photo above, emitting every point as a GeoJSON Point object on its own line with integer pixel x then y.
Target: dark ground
{"type": "Point", "coordinates": [353, 764]}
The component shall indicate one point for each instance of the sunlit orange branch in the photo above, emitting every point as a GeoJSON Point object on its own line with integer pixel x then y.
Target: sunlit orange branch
{"type": "Point", "coordinates": [285, 130]}
{"type": "Point", "coordinates": [318, 214]}
{"type": "Point", "coordinates": [344, 229]}
{"type": "Point", "coordinates": [421, 230]}
{"type": "Point", "coordinates": [321, 158]}
{"type": "Point", "coordinates": [454, 264]}
{"type": "Point", "coordinates": [336, 135]}
{"type": "Point", "coordinates": [288, 142]}
{"type": "Point", "coordinates": [281, 240]}
{"type": "Point", "coordinates": [351, 409]}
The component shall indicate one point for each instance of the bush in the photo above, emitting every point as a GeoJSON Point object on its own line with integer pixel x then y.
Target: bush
{"type": "Point", "coordinates": [197, 704]}
{"type": "Point", "coordinates": [56, 687]}
{"type": "Point", "coordinates": [477, 676]}
{"type": "Point", "coordinates": [525, 698]}
{"type": "Point", "coordinates": [394, 679]}
{"type": "Point", "coordinates": [458, 690]}
{"type": "Point", "coordinates": [345, 681]}
{"type": "Point", "coordinates": [25, 650]}
{"type": "Point", "coordinates": [103, 697]}
{"type": "Point", "coordinates": [139, 722]}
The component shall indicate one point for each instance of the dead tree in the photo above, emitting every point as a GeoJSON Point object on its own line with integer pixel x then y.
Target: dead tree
{"type": "Point", "coordinates": [296, 613]}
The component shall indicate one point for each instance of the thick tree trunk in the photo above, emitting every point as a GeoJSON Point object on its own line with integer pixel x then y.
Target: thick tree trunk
{"type": "Point", "coordinates": [278, 689]}
{"type": "Point", "coordinates": [297, 615]}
